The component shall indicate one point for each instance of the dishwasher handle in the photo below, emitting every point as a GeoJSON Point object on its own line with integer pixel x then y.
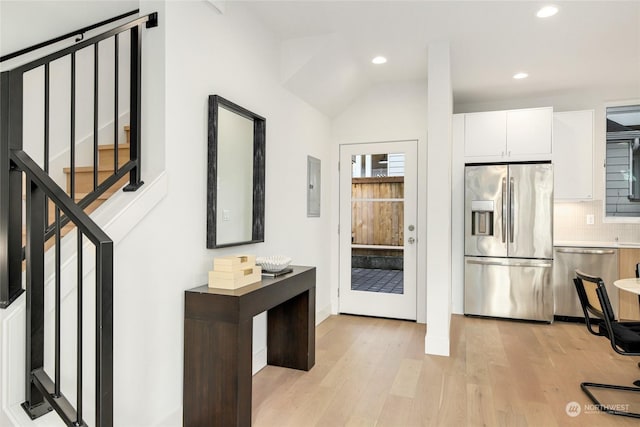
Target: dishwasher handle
{"type": "Point", "coordinates": [509, 263]}
{"type": "Point", "coordinates": [586, 251]}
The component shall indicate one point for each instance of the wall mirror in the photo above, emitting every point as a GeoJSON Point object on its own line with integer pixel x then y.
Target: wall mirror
{"type": "Point", "coordinates": [235, 175]}
{"type": "Point", "coordinates": [623, 161]}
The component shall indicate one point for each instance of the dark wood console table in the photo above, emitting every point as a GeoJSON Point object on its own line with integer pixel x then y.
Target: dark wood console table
{"type": "Point", "coordinates": [218, 329]}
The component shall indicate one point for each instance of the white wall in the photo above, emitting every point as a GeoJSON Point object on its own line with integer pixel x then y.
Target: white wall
{"type": "Point", "coordinates": [194, 53]}
{"type": "Point", "coordinates": [233, 56]}
{"type": "Point", "coordinates": [386, 112]}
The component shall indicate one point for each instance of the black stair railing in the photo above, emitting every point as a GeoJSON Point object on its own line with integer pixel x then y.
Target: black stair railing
{"type": "Point", "coordinates": [42, 392]}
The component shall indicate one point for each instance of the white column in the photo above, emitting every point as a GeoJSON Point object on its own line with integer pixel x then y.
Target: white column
{"type": "Point", "coordinates": [439, 122]}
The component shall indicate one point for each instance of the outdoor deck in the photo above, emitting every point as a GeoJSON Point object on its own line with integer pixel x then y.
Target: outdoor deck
{"type": "Point", "coordinates": [377, 280]}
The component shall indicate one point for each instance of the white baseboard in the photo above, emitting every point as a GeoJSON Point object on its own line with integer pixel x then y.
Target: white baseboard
{"type": "Point", "coordinates": [322, 314]}
{"type": "Point", "coordinates": [259, 360]}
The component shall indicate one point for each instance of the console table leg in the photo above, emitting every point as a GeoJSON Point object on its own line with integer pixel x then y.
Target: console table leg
{"type": "Point", "coordinates": [291, 332]}
{"type": "Point", "coordinates": [217, 373]}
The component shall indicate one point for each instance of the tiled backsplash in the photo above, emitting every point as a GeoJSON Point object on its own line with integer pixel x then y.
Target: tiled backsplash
{"type": "Point", "coordinates": [569, 224]}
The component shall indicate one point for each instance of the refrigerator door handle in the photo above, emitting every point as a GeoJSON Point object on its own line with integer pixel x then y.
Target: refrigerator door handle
{"type": "Point", "coordinates": [504, 210]}
{"type": "Point", "coordinates": [511, 209]}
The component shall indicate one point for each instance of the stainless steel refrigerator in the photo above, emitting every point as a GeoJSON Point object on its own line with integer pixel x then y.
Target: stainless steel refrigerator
{"type": "Point", "coordinates": [509, 241]}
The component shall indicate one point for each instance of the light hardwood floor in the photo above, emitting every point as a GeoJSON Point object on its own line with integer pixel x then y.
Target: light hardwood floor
{"type": "Point", "coordinates": [373, 372]}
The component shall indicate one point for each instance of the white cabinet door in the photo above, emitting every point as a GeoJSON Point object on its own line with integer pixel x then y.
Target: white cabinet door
{"type": "Point", "coordinates": [485, 134]}
{"type": "Point", "coordinates": [509, 136]}
{"type": "Point", "coordinates": [573, 155]}
{"type": "Point", "coordinates": [529, 134]}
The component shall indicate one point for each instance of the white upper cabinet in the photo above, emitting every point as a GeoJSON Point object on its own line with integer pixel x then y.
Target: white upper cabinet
{"type": "Point", "coordinates": [529, 133]}
{"type": "Point", "coordinates": [573, 155]}
{"type": "Point", "coordinates": [509, 136]}
{"type": "Point", "coordinates": [485, 134]}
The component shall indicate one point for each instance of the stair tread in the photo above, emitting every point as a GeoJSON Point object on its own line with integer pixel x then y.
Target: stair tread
{"type": "Point", "coordinates": [88, 169]}
{"type": "Point", "coordinates": [108, 158]}
{"type": "Point", "coordinates": [104, 196]}
{"type": "Point", "coordinates": [79, 196]}
{"type": "Point", "coordinates": [110, 146]}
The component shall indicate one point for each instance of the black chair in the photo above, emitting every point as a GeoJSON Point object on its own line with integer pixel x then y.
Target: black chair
{"type": "Point", "coordinates": [623, 336]}
{"type": "Point", "coordinates": [638, 277]}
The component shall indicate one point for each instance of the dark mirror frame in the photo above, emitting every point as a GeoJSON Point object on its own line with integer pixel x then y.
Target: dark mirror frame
{"type": "Point", "coordinates": [259, 132]}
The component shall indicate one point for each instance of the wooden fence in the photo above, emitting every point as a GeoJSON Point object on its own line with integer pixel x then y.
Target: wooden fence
{"type": "Point", "coordinates": [377, 211]}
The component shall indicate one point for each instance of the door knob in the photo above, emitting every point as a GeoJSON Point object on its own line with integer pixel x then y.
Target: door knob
{"type": "Point", "coordinates": [411, 240]}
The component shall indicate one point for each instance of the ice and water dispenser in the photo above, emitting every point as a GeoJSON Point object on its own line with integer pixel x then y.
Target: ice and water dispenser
{"type": "Point", "coordinates": [482, 217]}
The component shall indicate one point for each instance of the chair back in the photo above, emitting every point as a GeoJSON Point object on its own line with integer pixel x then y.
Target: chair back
{"type": "Point", "coordinates": [586, 287]}
{"type": "Point", "coordinates": [638, 270]}
{"type": "Point", "coordinates": [623, 336]}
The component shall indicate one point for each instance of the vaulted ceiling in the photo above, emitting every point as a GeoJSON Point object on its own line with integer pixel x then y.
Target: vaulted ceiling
{"type": "Point", "coordinates": [327, 47]}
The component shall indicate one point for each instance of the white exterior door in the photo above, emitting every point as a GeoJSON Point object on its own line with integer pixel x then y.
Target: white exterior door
{"type": "Point", "coordinates": [378, 212]}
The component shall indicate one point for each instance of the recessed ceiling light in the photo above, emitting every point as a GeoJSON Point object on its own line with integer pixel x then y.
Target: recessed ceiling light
{"type": "Point", "coordinates": [547, 11]}
{"type": "Point", "coordinates": [519, 76]}
{"type": "Point", "coordinates": [379, 60]}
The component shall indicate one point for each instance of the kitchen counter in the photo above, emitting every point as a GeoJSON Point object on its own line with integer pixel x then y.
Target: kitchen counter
{"type": "Point", "coordinates": [592, 244]}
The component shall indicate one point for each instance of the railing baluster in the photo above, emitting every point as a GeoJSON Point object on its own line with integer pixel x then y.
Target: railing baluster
{"type": "Point", "coordinates": [95, 115]}
{"type": "Point", "coordinates": [104, 334]}
{"type": "Point", "coordinates": [46, 116]}
{"type": "Point", "coordinates": [58, 305]}
{"type": "Point", "coordinates": [115, 103]}
{"type": "Point", "coordinates": [79, 331]}
{"type": "Point", "coordinates": [72, 186]}
{"type": "Point", "coordinates": [46, 130]}
{"type": "Point", "coordinates": [135, 109]}
{"type": "Point", "coordinates": [35, 403]}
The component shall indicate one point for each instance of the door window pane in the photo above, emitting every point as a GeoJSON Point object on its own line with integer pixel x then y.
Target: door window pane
{"type": "Point", "coordinates": [377, 215]}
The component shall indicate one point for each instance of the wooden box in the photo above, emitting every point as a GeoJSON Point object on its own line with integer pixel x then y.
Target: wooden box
{"type": "Point", "coordinates": [233, 272]}
{"type": "Point", "coordinates": [233, 262]}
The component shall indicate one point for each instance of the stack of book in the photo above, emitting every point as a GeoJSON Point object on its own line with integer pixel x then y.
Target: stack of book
{"type": "Point", "coordinates": [233, 272]}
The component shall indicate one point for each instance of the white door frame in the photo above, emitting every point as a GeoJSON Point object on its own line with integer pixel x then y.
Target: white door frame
{"type": "Point", "coordinates": [371, 303]}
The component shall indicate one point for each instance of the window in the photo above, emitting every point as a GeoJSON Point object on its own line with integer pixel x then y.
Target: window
{"type": "Point", "coordinates": [623, 161]}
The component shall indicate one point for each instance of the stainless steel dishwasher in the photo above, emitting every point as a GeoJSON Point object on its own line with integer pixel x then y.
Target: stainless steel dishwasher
{"type": "Point", "coordinates": [601, 262]}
